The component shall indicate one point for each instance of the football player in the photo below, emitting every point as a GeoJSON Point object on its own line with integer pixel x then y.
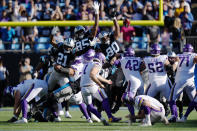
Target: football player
{"type": "Point", "coordinates": [78, 66]}
{"type": "Point", "coordinates": [108, 46]}
{"type": "Point", "coordinates": [85, 40]}
{"type": "Point", "coordinates": [171, 71]}
{"type": "Point", "coordinates": [131, 69]}
{"type": "Point", "coordinates": [91, 86]}
{"type": "Point", "coordinates": [193, 104]}
{"type": "Point", "coordinates": [184, 79]}
{"type": "Point", "coordinates": [157, 65]}
{"type": "Point", "coordinates": [23, 94]}
{"type": "Point", "coordinates": [150, 110]}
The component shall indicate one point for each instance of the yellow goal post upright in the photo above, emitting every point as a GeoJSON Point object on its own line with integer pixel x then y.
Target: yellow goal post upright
{"type": "Point", "coordinates": [159, 22]}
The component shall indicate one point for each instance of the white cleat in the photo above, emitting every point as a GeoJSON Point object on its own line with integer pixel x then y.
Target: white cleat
{"type": "Point", "coordinates": [146, 124]}
{"type": "Point", "coordinates": [58, 119]}
{"type": "Point", "coordinates": [61, 112]}
{"type": "Point", "coordinates": [182, 120]}
{"type": "Point", "coordinates": [23, 120]}
{"type": "Point", "coordinates": [67, 115]}
{"type": "Point", "coordinates": [95, 118]}
{"type": "Point", "coordinates": [89, 120]}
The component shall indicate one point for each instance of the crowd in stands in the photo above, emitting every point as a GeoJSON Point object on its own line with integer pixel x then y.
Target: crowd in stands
{"type": "Point", "coordinates": [177, 15]}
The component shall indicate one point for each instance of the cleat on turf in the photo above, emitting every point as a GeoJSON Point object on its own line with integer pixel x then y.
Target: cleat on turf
{"type": "Point", "coordinates": [114, 119]}
{"type": "Point", "coordinates": [172, 119]}
{"type": "Point", "coordinates": [13, 119]}
{"type": "Point", "coordinates": [67, 115]}
{"type": "Point", "coordinates": [23, 120]}
{"type": "Point", "coordinates": [58, 119]}
{"type": "Point", "coordinates": [89, 120]}
{"type": "Point", "coordinates": [182, 120]}
{"type": "Point", "coordinates": [105, 123]}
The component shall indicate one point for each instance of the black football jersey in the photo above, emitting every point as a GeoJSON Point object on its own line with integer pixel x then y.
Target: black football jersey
{"type": "Point", "coordinates": [109, 50]}
{"type": "Point", "coordinates": [64, 58]}
{"type": "Point", "coordinates": [83, 45]}
{"type": "Point", "coordinates": [45, 59]}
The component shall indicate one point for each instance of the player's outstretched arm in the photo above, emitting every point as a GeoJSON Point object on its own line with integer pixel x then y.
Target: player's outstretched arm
{"type": "Point", "coordinates": [96, 24]}
{"type": "Point", "coordinates": [102, 79]}
{"type": "Point", "coordinates": [117, 28]}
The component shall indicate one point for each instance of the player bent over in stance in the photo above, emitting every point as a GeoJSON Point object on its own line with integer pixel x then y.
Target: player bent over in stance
{"type": "Point", "coordinates": [131, 69]}
{"type": "Point", "coordinates": [23, 94]}
{"type": "Point", "coordinates": [150, 110]}
{"type": "Point", "coordinates": [91, 86]}
{"type": "Point", "coordinates": [184, 79]}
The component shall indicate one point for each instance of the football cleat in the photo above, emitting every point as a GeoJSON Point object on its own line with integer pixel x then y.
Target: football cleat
{"type": "Point", "coordinates": [61, 112]}
{"type": "Point", "coordinates": [67, 115]}
{"type": "Point", "coordinates": [182, 120]}
{"type": "Point", "coordinates": [95, 118]}
{"type": "Point", "coordinates": [58, 119]}
{"type": "Point", "coordinates": [13, 119]}
{"type": "Point", "coordinates": [105, 123]}
{"type": "Point", "coordinates": [23, 120]}
{"type": "Point", "coordinates": [172, 119]}
{"type": "Point", "coordinates": [146, 124]}
{"type": "Point", "coordinates": [114, 119]}
{"type": "Point", "coordinates": [89, 120]}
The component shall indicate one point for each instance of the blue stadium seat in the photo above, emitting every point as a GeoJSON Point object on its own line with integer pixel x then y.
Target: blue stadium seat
{"type": "Point", "coordinates": [27, 47]}
{"type": "Point", "coordinates": [136, 42]}
{"type": "Point", "coordinates": [43, 40]}
{"type": "Point", "coordinates": [2, 47]}
{"type": "Point", "coordinates": [61, 4]}
{"type": "Point", "coordinates": [39, 47]}
{"type": "Point", "coordinates": [48, 45]}
{"type": "Point", "coordinates": [15, 46]}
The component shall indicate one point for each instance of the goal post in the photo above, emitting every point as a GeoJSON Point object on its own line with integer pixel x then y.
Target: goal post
{"type": "Point", "coordinates": [159, 22]}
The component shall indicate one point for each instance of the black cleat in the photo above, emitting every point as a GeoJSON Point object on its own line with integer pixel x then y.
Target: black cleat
{"type": "Point", "coordinates": [13, 119]}
{"type": "Point", "coordinates": [105, 123]}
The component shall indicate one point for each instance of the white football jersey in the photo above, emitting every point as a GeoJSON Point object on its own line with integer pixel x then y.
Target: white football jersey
{"type": "Point", "coordinates": [185, 67]}
{"type": "Point", "coordinates": [78, 70]}
{"type": "Point", "coordinates": [130, 67]}
{"type": "Point", "coordinates": [26, 85]}
{"type": "Point", "coordinates": [85, 77]}
{"type": "Point", "coordinates": [154, 104]}
{"type": "Point", "coordinates": [155, 66]}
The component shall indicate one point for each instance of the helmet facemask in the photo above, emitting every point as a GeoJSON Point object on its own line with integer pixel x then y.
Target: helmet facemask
{"type": "Point", "coordinates": [79, 34]}
{"type": "Point", "coordinates": [105, 40]}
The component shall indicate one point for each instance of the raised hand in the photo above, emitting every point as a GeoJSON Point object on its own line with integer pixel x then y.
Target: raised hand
{"type": "Point", "coordinates": [95, 6]}
{"type": "Point", "coordinates": [93, 42]}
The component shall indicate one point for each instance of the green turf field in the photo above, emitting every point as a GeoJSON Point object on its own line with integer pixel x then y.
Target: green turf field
{"type": "Point", "coordinates": [80, 124]}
